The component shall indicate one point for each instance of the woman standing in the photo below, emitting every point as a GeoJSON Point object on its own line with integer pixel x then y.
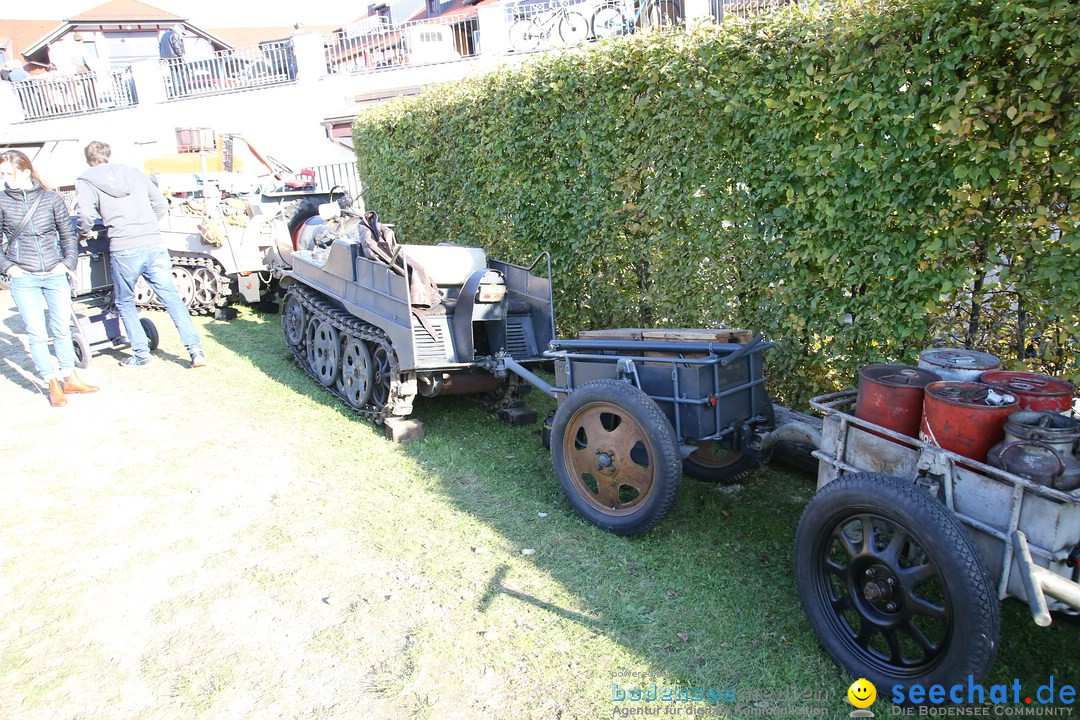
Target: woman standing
{"type": "Point", "coordinates": [40, 248]}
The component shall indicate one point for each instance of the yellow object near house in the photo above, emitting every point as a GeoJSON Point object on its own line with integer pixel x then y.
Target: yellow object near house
{"type": "Point", "coordinates": [191, 163]}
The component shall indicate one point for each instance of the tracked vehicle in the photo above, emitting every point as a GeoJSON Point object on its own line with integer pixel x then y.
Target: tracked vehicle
{"type": "Point", "coordinates": [378, 323]}
{"type": "Point", "coordinates": [224, 251]}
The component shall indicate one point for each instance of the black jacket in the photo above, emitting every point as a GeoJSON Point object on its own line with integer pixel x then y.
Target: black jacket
{"type": "Point", "coordinates": [171, 44]}
{"type": "Point", "coordinates": [47, 239]}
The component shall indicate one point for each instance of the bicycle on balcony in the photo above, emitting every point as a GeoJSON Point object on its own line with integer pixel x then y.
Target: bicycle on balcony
{"type": "Point", "coordinates": [610, 19]}
{"type": "Point", "coordinates": [527, 33]}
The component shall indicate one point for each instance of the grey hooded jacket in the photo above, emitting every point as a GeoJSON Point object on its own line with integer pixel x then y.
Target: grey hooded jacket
{"type": "Point", "coordinates": [46, 239]}
{"type": "Point", "coordinates": [128, 204]}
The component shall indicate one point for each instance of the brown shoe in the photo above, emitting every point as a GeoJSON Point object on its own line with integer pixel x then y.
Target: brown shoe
{"type": "Point", "coordinates": [56, 394]}
{"type": "Point", "coordinates": [73, 385]}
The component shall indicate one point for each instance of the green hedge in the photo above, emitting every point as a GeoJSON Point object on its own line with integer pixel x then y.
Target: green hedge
{"type": "Point", "coordinates": [858, 183]}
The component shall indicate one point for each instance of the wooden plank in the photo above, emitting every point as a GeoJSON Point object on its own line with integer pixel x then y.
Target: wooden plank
{"type": "Point", "coordinates": [723, 335]}
{"type": "Point", "coordinates": [611, 334]}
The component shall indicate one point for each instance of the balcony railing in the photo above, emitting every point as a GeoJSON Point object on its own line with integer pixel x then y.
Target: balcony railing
{"type": "Point", "coordinates": [418, 42]}
{"type": "Point", "coordinates": [746, 8]}
{"type": "Point", "coordinates": [374, 45]}
{"type": "Point", "coordinates": [267, 64]}
{"type": "Point", "coordinates": [57, 95]}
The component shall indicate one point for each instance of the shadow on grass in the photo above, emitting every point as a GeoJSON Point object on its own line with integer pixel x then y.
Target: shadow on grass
{"type": "Point", "coordinates": [706, 599]}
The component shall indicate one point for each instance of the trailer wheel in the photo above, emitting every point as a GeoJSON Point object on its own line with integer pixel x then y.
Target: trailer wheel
{"type": "Point", "coordinates": [82, 350]}
{"type": "Point", "coordinates": [713, 462]}
{"type": "Point", "coordinates": [616, 456]}
{"type": "Point", "coordinates": [893, 585]}
{"type": "Point", "coordinates": [150, 329]}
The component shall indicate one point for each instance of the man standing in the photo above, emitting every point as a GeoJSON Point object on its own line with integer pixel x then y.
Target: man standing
{"type": "Point", "coordinates": [130, 207]}
{"type": "Point", "coordinates": [171, 48]}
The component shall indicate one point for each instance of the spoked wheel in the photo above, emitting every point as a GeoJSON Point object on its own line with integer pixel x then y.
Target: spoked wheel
{"type": "Point", "coordinates": [892, 584]}
{"type": "Point", "coordinates": [185, 284]}
{"type": "Point", "coordinates": [663, 14]}
{"type": "Point", "coordinates": [204, 287]}
{"type": "Point", "coordinates": [524, 36]}
{"type": "Point", "coordinates": [616, 456]}
{"type": "Point", "coordinates": [144, 294]}
{"type": "Point", "coordinates": [357, 372]}
{"type": "Point", "coordinates": [323, 351]}
{"type": "Point", "coordinates": [609, 21]}
{"type": "Point", "coordinates": [714, 462]}
{"type": "Point", "coordinates": [293, 318]}
{"type": "Point", "coordinates": [381, 377]}
{"type": "Point", "coordinates": [573, 28]}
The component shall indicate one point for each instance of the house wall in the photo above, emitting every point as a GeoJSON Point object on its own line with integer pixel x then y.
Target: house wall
{"type": "Point", "coordinates": [285, 121]}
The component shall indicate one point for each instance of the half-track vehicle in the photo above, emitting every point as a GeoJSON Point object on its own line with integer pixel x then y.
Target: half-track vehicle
{"type": "Point", "coordinates": [232, 249]}
{"type": "Point", "coordinates": [378, 323]}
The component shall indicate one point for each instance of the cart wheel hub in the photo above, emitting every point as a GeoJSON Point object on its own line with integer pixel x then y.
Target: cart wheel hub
{"type": "Point", "coordinates": [881, 589]}
{"type": "Point", "coordinates": [877, 592]}
{"type": "Point", "coordinates": [605, 461]}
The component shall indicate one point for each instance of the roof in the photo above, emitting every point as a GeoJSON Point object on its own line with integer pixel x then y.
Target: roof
{"type": "Point", "coordinates": [114, 11]}
{"type": "Point", "coordinates": [460, 9]}
{"type": "Point", "coordinates": [126, 10]}
{"type": "Point", "coordinates": [249, 36]}
{"type": "Point", "coordinates": [24, 32]}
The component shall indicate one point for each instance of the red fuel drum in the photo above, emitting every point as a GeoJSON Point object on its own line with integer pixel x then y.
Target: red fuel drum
{"type": "Point", "coordinates": [1036, 392]}
{"type": "Point", "coordinates": [964, 417]}
{"type": "Point", "coordinates": [892, 396]}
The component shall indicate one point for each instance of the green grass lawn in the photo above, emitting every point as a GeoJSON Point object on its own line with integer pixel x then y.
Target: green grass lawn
{"type": "Point", "coordinates": [320, 571]}
{"type": "Point", "coordinates": [705, 600]}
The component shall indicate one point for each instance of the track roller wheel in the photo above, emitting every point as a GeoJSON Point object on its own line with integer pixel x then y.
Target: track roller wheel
{"type": "Point", "coordinates": [293, 319]}
{"type": "Point", "coordinates": [356, 378]}
{"type": "Point", "coordinates": [323, 350]}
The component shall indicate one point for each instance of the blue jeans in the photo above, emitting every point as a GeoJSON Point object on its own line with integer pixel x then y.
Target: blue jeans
{"type": "Point", "coordinates": [151, 262]}
{"type": "Point", "coordinates": [32, 294]}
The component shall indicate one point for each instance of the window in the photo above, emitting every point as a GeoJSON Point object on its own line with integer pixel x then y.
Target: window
{"type": "Point", "coordinates": [433, 7]}
{"type": "Point", "coordinates": [382, 11]}
{"type": "Point", "coordinates": [195, 140]}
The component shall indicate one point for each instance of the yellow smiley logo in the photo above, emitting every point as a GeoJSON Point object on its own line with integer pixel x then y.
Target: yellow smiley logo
{"type": "Point", "coordinates": [862, 693]}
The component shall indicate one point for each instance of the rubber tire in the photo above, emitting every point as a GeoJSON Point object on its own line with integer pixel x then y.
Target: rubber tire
{"type": "Point", "coordinates": [972, 639]}
{"type": "Point", "coordinates": [608, 21]}
{"type": "Point", "coordinates": [663, 14]}
{"type": "Point", "coordinates": [82, 350]}
{"type": "Point", "coordinates": [297, 214]}
{"type": "Point", "coordinates": [150, 329]}
{"type": "Point", "coordinates": [741, 466]}
{"type": "Point", "coordinates": [653, 422]}
{"type": "Point", "coordinates": [573, 28]}
{"type": "Point", "coordinates": [524, 36]}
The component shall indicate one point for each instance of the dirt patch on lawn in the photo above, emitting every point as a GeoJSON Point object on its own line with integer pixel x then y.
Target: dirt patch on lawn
{"type": "Point", "coordinates": [150, 563]}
